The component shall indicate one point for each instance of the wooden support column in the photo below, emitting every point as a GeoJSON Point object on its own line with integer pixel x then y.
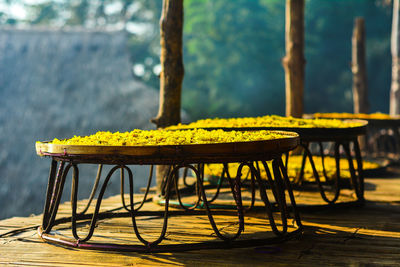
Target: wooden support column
{"type": "Point", "coordinates": [359, 68]}
{"type": "Point", "coordinates": [395, 86]}
{"type": "Point", "coordinates": [294, 60]}
{"type": "Point", "coordinates": [171, 76]}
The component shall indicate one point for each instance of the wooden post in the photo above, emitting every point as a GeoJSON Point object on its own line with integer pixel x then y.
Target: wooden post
{"type": "Point", "coordinates": [395, 86]}
{"type": "Point", "coordinates": [294, 60]}
{"type": "Point", "coordinates": [171, 76]}
{"type": "Point", "coordinates": [359, 68]}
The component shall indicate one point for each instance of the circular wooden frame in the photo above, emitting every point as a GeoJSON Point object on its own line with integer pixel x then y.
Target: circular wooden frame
{"type": "Point", "coordinates": [314, 134]}
{"type": "Point", "coordinates": [67, 158]}
{"type": "Point", "coordinates": [168, 154]}
{"type": "Point", "coordinates": [393, 121]}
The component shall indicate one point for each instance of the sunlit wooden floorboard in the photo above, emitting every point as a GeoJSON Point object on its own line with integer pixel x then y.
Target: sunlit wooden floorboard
{"type": "Point", "coordinates": [348, 236]}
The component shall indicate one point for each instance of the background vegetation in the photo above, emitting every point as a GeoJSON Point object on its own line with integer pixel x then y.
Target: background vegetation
{"type": "Point", "coordinates": [57, 83]}
{"type": "Point", "coordinates": [233, 49]}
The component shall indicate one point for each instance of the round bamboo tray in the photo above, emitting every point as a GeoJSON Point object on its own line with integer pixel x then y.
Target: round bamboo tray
{"type": "Point", "coordinates": [67, 158]}
{"type": "Point", "coordinates": [172, 154]}
{"type": "Point", "coordinates": [390, 122]}
{"type": "Point", "coordinates": [315, 134]}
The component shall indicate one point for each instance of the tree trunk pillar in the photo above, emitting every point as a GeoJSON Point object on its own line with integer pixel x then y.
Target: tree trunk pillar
{"type": "Point", "coordinates": [359, 68]}
{"type": "Point", "coordinates": [395, 86]}
{"type": "Point", "coordinates": [294, 61]}
{"type": "Point", "coordinates": [171, 76]}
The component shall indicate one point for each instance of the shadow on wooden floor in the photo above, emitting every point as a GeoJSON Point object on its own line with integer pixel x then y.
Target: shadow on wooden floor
{"type": "Point", "coordinates": [352, 236]}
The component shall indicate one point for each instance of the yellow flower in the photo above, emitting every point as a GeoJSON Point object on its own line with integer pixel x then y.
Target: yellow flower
{"type": "Point", "coordinates": [266, 121]}
{"type": "Point", "coordinates": [375, 116]}
{"type": "Point", "coordinates": [294, 168]}
{"type": "Point", "coordinates": [164, 137]}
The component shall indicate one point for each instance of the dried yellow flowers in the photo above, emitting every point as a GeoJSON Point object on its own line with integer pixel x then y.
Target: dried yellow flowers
{"type": "Point", "coordinates": [267, 121]}
{"type": "Point", "coordinates": [294, 168]}
{"type": "Point", "coordinates": [164, 137]}
{"type": "Point", "coordinates": [374, 116]}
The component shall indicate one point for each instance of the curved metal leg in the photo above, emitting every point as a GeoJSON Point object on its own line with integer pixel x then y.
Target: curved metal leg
{"type": "Point", "coordinates": [219, 185]}
{"type": "Point", "coordinates": [49, 193]}
{"type": "Point", "coordinates": [276, 190]}
{"type": "Point", "coordinates": [55, 198]}
{"type": "Point", "coordinates": [281, 190]}
{"type": "Point", "coordinates": [337, 161]}
{"type": "Point", "coordinates": [290, 192]}
{"type": "Point", "coordinates": [287, 159]}
{"type": "Point", "coordinates": [55, 190]}
{"type": "Point", "coordinates": [225, 171]}
{"type": "Point", "coordinates": [198, 203]}
{"type": "Point", "coordinates": [300, 178]}
{"type": "Point", "coordinates": [321, 151]}
{"type": "Point", "coordinates": [336, 179]}
{"type": "Point", "coordinates": [317, 179]}
{"type": "Point", "coordinates": [236, 192]}
{"type": "Point", "coordinates": [150, 244]}
{"type": "Point", "coordinates": [74, 193]}
{"type": "Point", "coordinates": [94, 189]}
{"type": "Point", "coordinates": [178, 193]}
{"type": "Point", "coordinates": [268, 206]}
{"type": "Point", "coordinates": [164, 180]}
{"type": "Point", "coordinates": [131, 210]}
{"type": "Point", "coordinates": [185, 174]}
{"type": "Point", "coordinates": [357, 179]}
{"type": "Point", "coordinates": [149, 180]}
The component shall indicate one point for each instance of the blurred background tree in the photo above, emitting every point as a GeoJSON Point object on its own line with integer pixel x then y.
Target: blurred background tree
{"type": "Point", "coordinates": [233, 49]}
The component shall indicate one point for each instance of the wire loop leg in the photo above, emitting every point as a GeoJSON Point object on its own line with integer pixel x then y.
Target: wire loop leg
{"type": "Point", "coordinates": [219, 186]}
{"type": "Point", "coordinates": [177, 191]}
{"type": "Point", "coordinates": [98, 202]}
{"type": "Point", "coordinates": [236, 192]}
{"type": "Point", "coordinates": [300, 177]}
{"type": "Point", "coordinates": [149, 180]}
{"type": "Point", "coordinates": [49, 193]}
{"type": "Point", "coordinates": [280, 196]}
{"type": "Point", "coordinates": [276, 190]}
{"type": "Point", "coordinates": [81, 240]}
{"type": "Point", "coordinates": [318, 180]}
{"type": "Point", "coordinates": [290, 192]}
{"type": "Point", "coordinates": [357, 179]}
{"type": "Point", "coordinates": [94, 189]}
{"type": "Point", "coordinates": [150, 244]}
{"type": "Point", "coordinates": [268, 206]}
{"type": "Point", "coordinates": [55, 197]}
{"type": "Point", "coordinates": [321, 151]}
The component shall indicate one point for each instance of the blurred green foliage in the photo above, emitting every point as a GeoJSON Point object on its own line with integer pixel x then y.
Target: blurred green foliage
{"type": "Point", "coordinates": [232, 57]}
{"type": "Point", "coordinates": [233, 49]}
{"type": "Point", "coordinates": [329, 26]}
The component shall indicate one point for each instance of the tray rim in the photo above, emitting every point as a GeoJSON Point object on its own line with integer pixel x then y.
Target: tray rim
{"type": "Point", "coordinates": [307, 133]}
{"type": "Point", "coordinates": [395, 118]}
{"type": "Point", "coordinates": [289, 141]}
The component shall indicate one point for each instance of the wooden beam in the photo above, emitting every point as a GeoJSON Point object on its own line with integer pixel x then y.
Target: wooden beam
{"type": "Point", "coordinates": [359, 68]}
{"type": "Point", "coordinates": [395, 86]}
{"type": "Point", "coordinates": [294, 60]}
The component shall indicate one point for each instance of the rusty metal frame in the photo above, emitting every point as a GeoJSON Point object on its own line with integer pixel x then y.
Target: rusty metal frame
{"type": "Point", "coordinates": [356, 174]}
{"type": "Point", "coordinates": [340, 137]}
{"type": "Point", "coordinates": [279, 184]}
{"type": "Point", "coordinates": [383, 138]}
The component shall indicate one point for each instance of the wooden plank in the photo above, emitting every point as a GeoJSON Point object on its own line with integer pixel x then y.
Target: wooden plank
{"type": "Point", "coordinates": [351, 236]}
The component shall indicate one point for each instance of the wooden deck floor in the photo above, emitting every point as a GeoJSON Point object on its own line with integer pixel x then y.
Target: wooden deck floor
{"type": "Point", "coordinates": [348, 236]}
